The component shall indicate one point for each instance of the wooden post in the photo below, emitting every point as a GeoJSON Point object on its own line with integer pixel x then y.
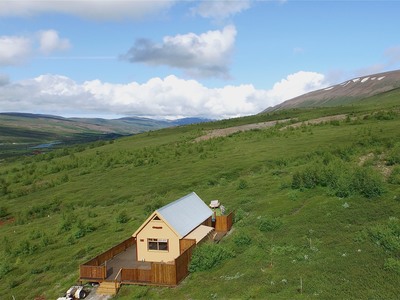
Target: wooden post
{"type": "Point", "coordinates": [301, 285]}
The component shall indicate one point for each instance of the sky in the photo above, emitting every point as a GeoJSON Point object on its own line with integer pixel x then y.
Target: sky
{"type": "Point", "coordinates": [173, 59]}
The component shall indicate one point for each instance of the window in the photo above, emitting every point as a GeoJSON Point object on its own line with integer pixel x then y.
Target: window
{"type": "Point", "coordinates": [157, 244]}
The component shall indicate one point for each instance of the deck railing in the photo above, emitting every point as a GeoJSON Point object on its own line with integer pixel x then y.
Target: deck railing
{"type": "Point", "coordinates": [96, 269]}
{"type": "Point", "coordinates": [169, 274]}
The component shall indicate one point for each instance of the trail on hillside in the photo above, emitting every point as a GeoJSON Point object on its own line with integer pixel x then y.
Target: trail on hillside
{"type": "Point", "coordinates": [230, 130]}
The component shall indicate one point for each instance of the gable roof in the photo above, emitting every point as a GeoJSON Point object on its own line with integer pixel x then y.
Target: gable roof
{"type": "Point", "coordinates": [182, 215]}
{"type": "Point", "coordinates": [185, 214]}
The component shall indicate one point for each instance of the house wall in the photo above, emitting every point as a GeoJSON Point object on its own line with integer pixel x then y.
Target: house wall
{"type": "Point", "coordinates": [157, 229]}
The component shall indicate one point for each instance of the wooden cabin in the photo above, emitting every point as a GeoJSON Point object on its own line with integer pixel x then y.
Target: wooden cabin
{"type": "Point", "coordinates": [173, 228]}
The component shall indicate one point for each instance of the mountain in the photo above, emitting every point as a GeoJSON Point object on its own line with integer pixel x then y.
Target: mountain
{"type": "Point", "coordinates": [347, 92]}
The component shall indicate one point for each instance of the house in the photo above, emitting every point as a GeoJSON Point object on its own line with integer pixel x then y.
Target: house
{"type": "Point", "coordinates": [173, 228]}
{"type": "Point", "coordinates": [160, 251]}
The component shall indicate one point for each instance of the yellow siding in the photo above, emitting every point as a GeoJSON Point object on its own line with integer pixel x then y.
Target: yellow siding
{"type": "Point", "coordinates": [157, 229]}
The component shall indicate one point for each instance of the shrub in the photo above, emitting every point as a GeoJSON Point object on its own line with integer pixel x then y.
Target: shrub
{"type": "Point", "coordinates": [208, 256]}
{"type": "Point", "coordinates": [387, 235]}
{"type": "Point", "coordinates": [269, 224]}
{"type": "Point", "coordinates": [3, 211]}
{"type": "Point", "coordinates": [392, 264]}
{"type": "Point", "coordinates": [242, 239]}
{"type": "Point", "coordinates": [394, 156]}
{"type": "Point", "coordinates": [242, 184]}
{"type": "Point", "coordinates": [122, 217]}
{"type": "Point", "coordinates": [25, 247]}
{"type": "Point", "coordinates": [239, 215]}
{"type": "Point", "coordinates": [5, 268]}
{"type": "Point", "coordinates": [367, 183]}
{"type": "Point", "coordinates": [394, 177]}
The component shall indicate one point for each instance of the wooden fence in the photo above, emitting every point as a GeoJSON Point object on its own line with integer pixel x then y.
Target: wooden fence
{"type": "Point", "coordinates": [96, 269]}
{"type": "Point", "coordinates": [160, 273]}
{"type": "Point", "coordinates": [224, 223]}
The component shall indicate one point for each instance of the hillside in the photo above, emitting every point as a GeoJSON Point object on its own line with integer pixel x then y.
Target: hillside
{"type": "Point", "coordinates": [317, 205]}
{"type": "Point", "coordinates": [348, 92]}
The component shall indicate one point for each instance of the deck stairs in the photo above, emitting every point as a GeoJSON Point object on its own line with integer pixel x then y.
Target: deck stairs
{"type": "Point", "coordinates": [108, 288]}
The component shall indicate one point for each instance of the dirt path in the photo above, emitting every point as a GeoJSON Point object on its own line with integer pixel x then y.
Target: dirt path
{"type": "Point", "coordinates": [227, 131]}
{"type": "Point", "coordinates": [230, 130]}
{"type": "Point", "coordinates": [316, 121]}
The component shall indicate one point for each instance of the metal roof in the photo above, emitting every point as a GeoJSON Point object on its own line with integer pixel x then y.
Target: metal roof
{"type": "Point", "coordinates": [185, 214]}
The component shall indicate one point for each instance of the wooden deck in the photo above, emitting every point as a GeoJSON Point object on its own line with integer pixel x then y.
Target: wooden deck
{"type": "Point", "coordinates": [127, 260]}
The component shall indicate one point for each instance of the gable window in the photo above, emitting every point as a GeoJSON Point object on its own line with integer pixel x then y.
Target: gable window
{"type": "Point", "coordinates": [157, 244]}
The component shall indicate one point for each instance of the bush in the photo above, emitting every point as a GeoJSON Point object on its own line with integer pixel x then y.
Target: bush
{"type": "Point", "coordinates": [268, 224]}
{"type": "Point", "coordinates": [5, 268]}
{"type": "Point", "coordinates": [242, 239]}
{"type": "Point", "coordinates": [392, 264]}
{"type": "Point", "coordinates": [394, 177]}
{"type": "Point", "coordinates": [122, 217]}
{"type": "Point", "coordinates": [208, 256]}
{"type": "Point", "coordinates": [242, 184]}
{"type": "Point", "coordinates": [341, 179]}
{"type": "Point", "coordinates": [394, 156]}
{"type": "Point", "coordinates": [3, 211]}
{"type": "Point", "coordinates": [367, 183]}
{"type": "Point", "coordinates": [387, 235]}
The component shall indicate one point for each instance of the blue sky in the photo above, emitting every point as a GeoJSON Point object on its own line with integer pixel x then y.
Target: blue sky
{"type": "Point", "coordinates": [169, 59]}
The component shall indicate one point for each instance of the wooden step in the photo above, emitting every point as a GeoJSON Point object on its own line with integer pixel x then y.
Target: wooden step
{"type": "Point", "coordinates": [108, 288]}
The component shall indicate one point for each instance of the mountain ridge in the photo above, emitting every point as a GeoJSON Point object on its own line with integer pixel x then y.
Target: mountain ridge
{"type": "Point", "coordinates": [347, 92]}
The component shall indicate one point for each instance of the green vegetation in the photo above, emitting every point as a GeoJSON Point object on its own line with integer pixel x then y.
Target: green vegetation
{"type": "Point", "coordinates": [316, 206]}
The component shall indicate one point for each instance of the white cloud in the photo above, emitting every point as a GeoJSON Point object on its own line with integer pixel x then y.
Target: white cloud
{"type": "Point", "coordinates": [14, 50]}
{"type": "Point", "coordinates": [90, 9]}
{"type": "Point", "coordinates": [220, 9]}
{"type": "Point", "coordinates": [204, 55]}
{"type": "Point", "coordinates": [168, 97]}
{"type": "Point", "coordinates": [295, 85]}
{"type": "Point", "coordinates": [50, 42]}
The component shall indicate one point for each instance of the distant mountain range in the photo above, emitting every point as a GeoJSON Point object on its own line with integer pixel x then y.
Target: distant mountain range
{"type": "Point", "coordinates": [24, 131]}
{"type": "Point", "coordinates": [123, 126]}
{"type": "Point", "coordinates": [347, 92]}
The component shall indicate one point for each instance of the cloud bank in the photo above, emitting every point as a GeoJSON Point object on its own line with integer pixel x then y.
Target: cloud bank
{"type": "Point", "coordinates": [88, 9]}
{"type": "Point", "coordinates": [204, 55]}
{"type": "Point", "coordinates": [170, 97]}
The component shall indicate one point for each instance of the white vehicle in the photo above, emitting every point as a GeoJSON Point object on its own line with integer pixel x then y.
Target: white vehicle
{"type": "Point", "coordinates": [74, 292]}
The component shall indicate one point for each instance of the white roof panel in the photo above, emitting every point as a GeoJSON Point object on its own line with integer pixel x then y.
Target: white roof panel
{"type": "Point", "coordinates": [185, 214]}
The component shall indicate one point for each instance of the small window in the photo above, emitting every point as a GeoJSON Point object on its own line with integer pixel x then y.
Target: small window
{"type": "Point", "coordinates": [156, 218]}
{"type": "Point", "coordinates": [158, 244]}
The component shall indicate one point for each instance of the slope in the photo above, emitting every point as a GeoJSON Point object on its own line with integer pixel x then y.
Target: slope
{"type": "Point", "coordinates": [346, 93]}
{"type": "Point", "coordinates": [305, 210]}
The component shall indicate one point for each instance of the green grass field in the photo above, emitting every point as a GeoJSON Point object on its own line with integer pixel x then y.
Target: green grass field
{"type": "Point", "coordinates": [317, 207]}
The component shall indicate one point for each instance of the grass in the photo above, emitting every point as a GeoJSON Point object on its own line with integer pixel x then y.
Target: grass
{"type": "Point", "coordinates": [288, 243]}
